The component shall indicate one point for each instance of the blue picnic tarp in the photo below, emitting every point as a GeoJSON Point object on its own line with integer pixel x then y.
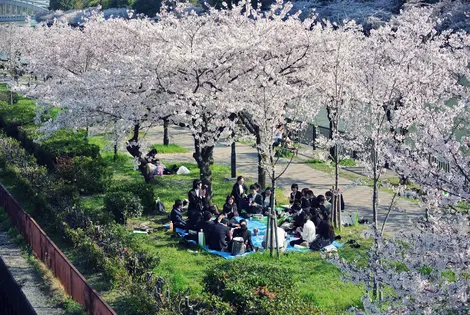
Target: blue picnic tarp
{"type": "Point", "coordinates": [257, 240]}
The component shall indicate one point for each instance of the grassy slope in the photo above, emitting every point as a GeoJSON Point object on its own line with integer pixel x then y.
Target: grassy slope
{"type": "Point", "coordinates": [184, 268]}
{"type": "Point", "coordinates": [319, 281]}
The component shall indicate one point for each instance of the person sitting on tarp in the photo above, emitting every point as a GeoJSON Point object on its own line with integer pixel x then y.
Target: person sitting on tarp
{"type": "Point", "coordinates": [326, 234]}
{"type": "Point", "coordinates": [220, 235]}
{"type": "Point", "coordinates": [244, 233]}
{"type": "Point", "coordinates": [230, 207]}
{"type": "Point", "coordinates": [206, 225]}
{"type": "Point", "coordinates": [321, 205]}
{"type": "Point", "coordinates": [307, 232]}
{"type": "Point", "coordinates": [325, 230]}
{"type": "Point", "coordinates": [176, 215]}
{"type": "Point", "coordinates": [295, 195]}
{"type": "Point", "coordinates": [255, 201]}
{"type": "Point", "coordinates": [267, 202]}
{"type": "Point", "coordinates": [329, 199]}
{"type": "Point", "coordinates": [281, 240]}
{"type": "Point", "coordinates": [239, 192]}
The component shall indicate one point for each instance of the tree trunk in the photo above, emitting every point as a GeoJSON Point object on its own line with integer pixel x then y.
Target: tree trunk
{"type": "Point", "coordinates": [375, 193]}
{"type": "Point", "coordinates": [274, 215]}
{"type": "Point", "coordinates": [135, 136]}
{"type": "Point", "coordinates": [166, 139]}
{"type": "Point", "coordinates": [233, 158]}
{"type": "Point", "coordinates": [261, 170]}
{"type": "Point", "coordinates": [331, 134]}
{"type": "Point", "coordinates": [115, 151]}
{"type": "Point", "coordinates": [338, 202]}
{"type": "Point", "coordinates": [314, 137]}
{"type": "Point", "coordinates": [204, 160]}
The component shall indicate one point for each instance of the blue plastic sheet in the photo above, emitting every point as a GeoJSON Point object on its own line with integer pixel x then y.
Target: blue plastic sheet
{"type": "Point", "coordinates": [257, 240]}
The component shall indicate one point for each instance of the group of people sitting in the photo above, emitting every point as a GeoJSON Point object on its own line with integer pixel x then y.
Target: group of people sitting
{"type": "Point", "coordinates": [307, 217]}
{"type": "Point", "coordinates": [311, 217]}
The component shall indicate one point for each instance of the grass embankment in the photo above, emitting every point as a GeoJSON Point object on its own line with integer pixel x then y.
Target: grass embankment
{"type": "Point", "coordinates": [318, 281]}
{"type": "Point", "coordinates": [184, 267]}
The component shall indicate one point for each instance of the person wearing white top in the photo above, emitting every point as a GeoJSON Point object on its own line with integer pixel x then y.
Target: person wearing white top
{"type": "Point", "coordinates": [281, 240]}
{"type": "Point", "coordinates": [308, 232]}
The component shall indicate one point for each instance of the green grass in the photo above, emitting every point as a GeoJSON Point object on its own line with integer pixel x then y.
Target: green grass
{"type": "Point", "coordinates": [319, 281]}
{"type": "Point", "coordinates": [171, 148]}
{"type": "Point", "coordinates": [4, 88]}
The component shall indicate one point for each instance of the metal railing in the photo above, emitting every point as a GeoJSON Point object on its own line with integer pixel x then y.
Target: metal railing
{"type": "Point", "coordinates": [72, 280]}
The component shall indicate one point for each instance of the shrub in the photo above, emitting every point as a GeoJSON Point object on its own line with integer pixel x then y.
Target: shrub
{"type": "Point", "coordinates": [64, 143]}
{"type": "Point", "coordinates": [123, 205]}
{"type": "Point", "coordinates": [250, 289]}
{"type": "Point", "coordinates": [89, 175]}
{"type": "Point", "coordinates": [11, 117]}
{"type": "Point", "coordinates": [144, 191]}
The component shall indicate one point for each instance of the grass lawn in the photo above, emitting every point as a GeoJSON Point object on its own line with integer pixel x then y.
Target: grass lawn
{"type": "Point", "coordinates": [184, 267]}
{"type": "Point", "coordinates": [171, 148]}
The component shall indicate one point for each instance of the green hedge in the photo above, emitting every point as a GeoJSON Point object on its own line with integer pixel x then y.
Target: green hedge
{"type": "Point", "coordinates": [123, 205]}
{"type": "Point", "coordinates": [18, 122]}
{"type": "Point", "coordinates": [251, 286]}
{"type": "Point", "coordinates": [144, 191]}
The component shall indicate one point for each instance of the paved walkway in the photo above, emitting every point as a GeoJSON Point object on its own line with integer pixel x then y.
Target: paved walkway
{"type": "Point", "coordinates": [27, 277]}
{"type": "Point", "coordinates": [358, 198]}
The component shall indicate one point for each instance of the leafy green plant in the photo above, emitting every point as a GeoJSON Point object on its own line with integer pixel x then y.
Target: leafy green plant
{"type": "Point", "coordinates": [123, 205]}
{"type": "Point", "coordinates": [64, 143]}
{"type": "Point", "coordinates": [88, 175]}
{"type": "Point", "coordinates": [144, 191]}
{"type": "Point", "coordinates": [247, 286]}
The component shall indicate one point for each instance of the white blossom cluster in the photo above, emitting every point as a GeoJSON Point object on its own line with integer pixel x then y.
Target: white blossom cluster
{"type": "Point", "coordinates": [395, 91]}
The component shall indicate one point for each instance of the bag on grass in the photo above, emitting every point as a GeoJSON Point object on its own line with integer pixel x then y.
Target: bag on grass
{"type": "Point", "coordinates": [159, 206]}
{"type": "Point", "coordinates": [319, 243]}
{"type": "Point", "coordinates": [183, 171]}
{"type": "Point", "coordinates": [238, 246]}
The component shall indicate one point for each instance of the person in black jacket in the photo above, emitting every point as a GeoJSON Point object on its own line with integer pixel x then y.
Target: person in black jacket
{"type": "Point", "coordinates": [295, 196]}
{"type": "Point", "coordinates": [255, 201]}
{"type": "Point", "coordinates": [325, 230]}
{"type": "Point", "coordinates": [206, 225]}
{"type": "Point", "coordinates": [244, 233]}
{"type": "Point", "coordinates": [176, 215]}
{"type": "Point", "coordinates": [220, 235]}
{"type": "Point", "coordinates": [230, 207]}
{"type": "Point", "coordinates": [196, 204]}
{"type": "Point", "coordinates": [239, 192]}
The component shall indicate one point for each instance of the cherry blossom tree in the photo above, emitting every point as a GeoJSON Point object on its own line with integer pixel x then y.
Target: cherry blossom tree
{"type": "Point", "coordinates": [421, 272]}
{"type": "Point", "coordinates": [11, 47]}
{"type": "Point", "coordinates": [336, 66]}
{"type": "Point", "coordinates": [406, 65]}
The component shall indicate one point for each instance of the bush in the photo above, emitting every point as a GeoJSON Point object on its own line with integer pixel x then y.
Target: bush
{"type": "Point", "coordinates": [123, 205]}
{"type": "Point", "coordinates": [250, 289]}
{"type": "Point", "coordinates": [89, 175]}
{"type": "Point", "coordinates": [64, 143]}
{"type": "Point", "coordinates": [11, 117]}
{"type": "Point", "coordinates": [144, 191]}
